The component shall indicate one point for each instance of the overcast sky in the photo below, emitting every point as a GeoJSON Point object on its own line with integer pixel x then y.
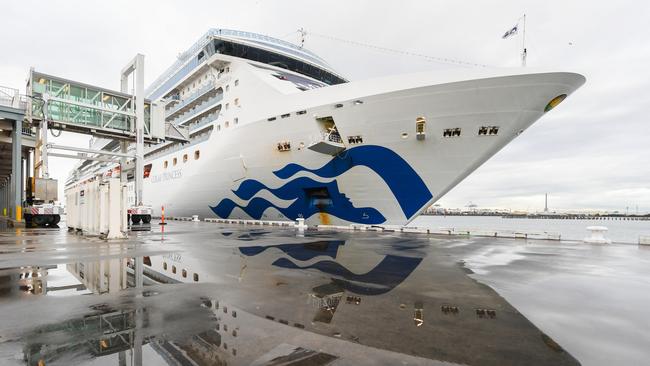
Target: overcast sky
{"type": "Point", "coordinates": [592, 152]}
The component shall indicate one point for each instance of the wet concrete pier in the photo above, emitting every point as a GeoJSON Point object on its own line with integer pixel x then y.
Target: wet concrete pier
{"type": "Point", "coordinates": [228, 294]}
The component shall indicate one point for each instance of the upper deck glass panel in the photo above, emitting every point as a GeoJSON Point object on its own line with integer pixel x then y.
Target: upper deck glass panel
{"type": "Point", "coordinates": [291, 55]}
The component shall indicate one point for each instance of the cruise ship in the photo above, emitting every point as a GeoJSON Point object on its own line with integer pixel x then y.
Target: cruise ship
{"type": "Point", "coordinates": [277, 134]}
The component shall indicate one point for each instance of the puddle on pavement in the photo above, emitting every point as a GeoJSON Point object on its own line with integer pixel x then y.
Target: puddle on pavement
{"type": "Point", "coordinates": [259, 297]}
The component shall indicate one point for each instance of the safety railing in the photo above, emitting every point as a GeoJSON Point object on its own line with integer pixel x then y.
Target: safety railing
{"type": "Point", "coordinates": [189, 100]}
{"type": "Point", "coordinates": [210, 103]}
{"type": "Point", "coordinates": [10, 97]}
{"type": "Point", "coordinates": [27, 130]}
{"type": "Point", "coordinates": [332, 137]}
{"type": "Point", "coordinates": [204, 121]}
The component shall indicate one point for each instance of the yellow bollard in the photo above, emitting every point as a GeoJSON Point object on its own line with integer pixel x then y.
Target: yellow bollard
{"type": "Point", "coordinates": [19, 213]}
{"type": "Point", "coordinates": [4, 211]}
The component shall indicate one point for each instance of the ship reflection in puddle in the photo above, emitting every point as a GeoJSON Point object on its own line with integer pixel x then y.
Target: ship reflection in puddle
{"type": "Point", "coordinates": [315, 302]}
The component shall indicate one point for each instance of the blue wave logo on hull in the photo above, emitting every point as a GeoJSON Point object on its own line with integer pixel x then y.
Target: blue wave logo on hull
{"type": "Point", "coordinates": [307, 194]}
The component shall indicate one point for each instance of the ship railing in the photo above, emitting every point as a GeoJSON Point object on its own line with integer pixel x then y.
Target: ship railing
{"type": "Point", "coordinates": [27, 130]}
{"type": "Point", "coordinates": [204, 121]}
{"type": "Point", "coordinates": [189, 115]}
{"type": "Point", "coordinates": [191, 99]}
{"type": "Point", "coordinates": [332, 136]}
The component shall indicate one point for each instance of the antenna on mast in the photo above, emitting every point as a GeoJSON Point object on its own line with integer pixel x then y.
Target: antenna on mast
{"type": "Point", "coordinates": [302, 33]}
{"type": "Point", "coordinates": [524, 53]}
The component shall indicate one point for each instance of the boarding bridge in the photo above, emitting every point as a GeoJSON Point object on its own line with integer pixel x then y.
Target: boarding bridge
{"type": "Point", "coordinates": [78, 107]}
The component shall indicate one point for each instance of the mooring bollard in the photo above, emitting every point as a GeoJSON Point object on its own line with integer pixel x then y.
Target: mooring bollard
{"type": "Point", "coordinates": [597, 235]}
{"type": "Point", "coordinates": [300, 224]}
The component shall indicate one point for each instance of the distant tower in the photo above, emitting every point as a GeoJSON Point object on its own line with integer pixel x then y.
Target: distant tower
{"type": "Point", "coordinates": [545, 202]}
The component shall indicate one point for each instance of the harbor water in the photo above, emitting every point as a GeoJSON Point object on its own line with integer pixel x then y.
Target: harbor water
{"type": "Point", "coordinates": [619, 231]}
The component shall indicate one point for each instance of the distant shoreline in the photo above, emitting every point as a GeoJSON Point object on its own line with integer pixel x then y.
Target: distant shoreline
{"type": "Point", "coordinates": [554, 216]}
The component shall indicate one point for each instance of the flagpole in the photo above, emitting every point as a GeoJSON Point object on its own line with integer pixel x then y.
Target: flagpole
{"type": "Point", "coordinates": [523, 45]}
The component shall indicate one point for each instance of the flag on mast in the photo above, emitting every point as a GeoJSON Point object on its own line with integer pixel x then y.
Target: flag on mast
{"type": "Point", "coordinates": [511, 32]}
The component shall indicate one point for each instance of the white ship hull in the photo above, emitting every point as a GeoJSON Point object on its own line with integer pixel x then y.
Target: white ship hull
{"type": "Point", "coordinates": [388, 179]}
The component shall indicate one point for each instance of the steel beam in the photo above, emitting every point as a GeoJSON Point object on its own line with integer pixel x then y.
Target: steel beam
{"type": "Point", "coordinates": [82, 157]}
{"type": "Point", "coordinates": [42, 141]}
{"type": "Point", "coordinates": [16, 170]}
{"type": "Point", "coordinates": [88, 151]}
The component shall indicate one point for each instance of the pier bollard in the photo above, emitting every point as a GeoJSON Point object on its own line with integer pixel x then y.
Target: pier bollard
{"type": "Point", "coordinates": [300, 224]}
{"type": "Point", "coordinates": [597, 235]}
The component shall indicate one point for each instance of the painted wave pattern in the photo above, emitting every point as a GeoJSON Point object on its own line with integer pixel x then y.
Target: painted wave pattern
{"type": "Point", "coordinates": [385, 276]}
{"type": "Point", "coordinates": [405, 184]}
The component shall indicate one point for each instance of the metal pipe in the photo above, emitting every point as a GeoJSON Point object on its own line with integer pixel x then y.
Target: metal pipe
{"type": "Point", "coordinates": [139, 127]}
{"type": "Point", "coordinates": [43, 130]}
{"type": "Point", "coordinates": [89, 151]}
{"type": "Point", "coordinates": [80, 157]}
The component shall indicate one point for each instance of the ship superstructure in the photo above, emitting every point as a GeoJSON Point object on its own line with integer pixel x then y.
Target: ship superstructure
{"type": "Point", "coordinates": [277, 134]}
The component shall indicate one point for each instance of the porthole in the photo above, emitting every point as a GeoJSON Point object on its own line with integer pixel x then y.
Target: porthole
{"type": "Point", "coordinates": [196, 277]}
{"type": "Point", "coordinates": [165, 164]}
{"type": "Point", "coordinates": [236, 120]}
{"type": "Point", "coordinates": [184, 273]}
{"type": "Point", "coordinates": [184, 158]}
{"type": "Point", "coordinates": [236, 82]}
{"type": "Point", "coordinates": [174, 269]}
{"type": "Point", "coordinates": [197, 155]}
{"type": "Point", "coordinates": [174, 161]}
{"type": "Point", "coordinates": [165, 266]}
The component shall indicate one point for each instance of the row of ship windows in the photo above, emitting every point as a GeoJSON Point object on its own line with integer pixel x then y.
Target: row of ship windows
{"type": "Point", "coordinates": [197, 155]}
{"type": "Point", "coordinates": [205, 78]}
{"type": "Point", "coordinates": [183, 272]}
{"type": "Point", "coordinates": [482, 131]}
{"type": "Point", "coordinates": [287, 115]}
{"type": "Point", "coordinates": [227, 124]}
